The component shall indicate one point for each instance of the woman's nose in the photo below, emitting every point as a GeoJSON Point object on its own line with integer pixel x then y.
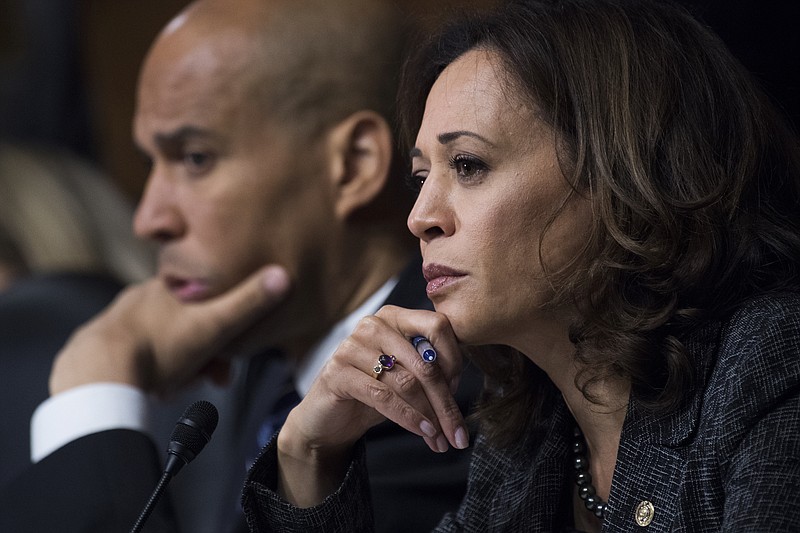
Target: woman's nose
{"type": "Point", "coordinates": [431, 215]}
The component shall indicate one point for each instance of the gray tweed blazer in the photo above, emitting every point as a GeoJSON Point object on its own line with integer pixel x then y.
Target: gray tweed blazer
{"type": "Point", "coordinates": [728, 460]}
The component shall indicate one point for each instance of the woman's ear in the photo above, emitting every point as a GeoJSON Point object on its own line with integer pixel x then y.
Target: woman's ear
{"type": "Point", "coordinates": [360, 158]}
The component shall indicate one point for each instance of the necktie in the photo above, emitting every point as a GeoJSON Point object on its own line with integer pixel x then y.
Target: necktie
{"type": "Point", "coordinates": [286, 401]}
{"type": "Point", "coordinates": [266, 395]}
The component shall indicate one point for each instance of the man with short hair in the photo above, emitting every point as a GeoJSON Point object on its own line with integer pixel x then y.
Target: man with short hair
{"type": "Point", "coordinates": [267, 127]}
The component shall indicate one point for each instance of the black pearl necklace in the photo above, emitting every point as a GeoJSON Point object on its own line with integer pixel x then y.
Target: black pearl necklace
{"type": "Point", "coordinates": [583, 478]}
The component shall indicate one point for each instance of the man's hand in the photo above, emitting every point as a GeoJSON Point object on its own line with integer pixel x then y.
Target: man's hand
{"type": "Point", "coordinates": [148, 339]}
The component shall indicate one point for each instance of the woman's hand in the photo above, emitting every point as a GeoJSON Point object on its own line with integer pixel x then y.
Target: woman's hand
{"type": "Point", "coordinates": [347, 399]}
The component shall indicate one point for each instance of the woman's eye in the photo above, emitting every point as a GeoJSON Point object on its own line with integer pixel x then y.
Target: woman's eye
{"type": "Point", "coordinates": [467, 166]}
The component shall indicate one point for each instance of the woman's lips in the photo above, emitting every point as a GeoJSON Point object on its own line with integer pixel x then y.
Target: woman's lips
{"type": "Point", "coordinates": [439, 277]}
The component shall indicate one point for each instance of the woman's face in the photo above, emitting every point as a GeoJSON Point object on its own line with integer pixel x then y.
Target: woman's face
{"type": "Point", "coordinates": [490, 182]}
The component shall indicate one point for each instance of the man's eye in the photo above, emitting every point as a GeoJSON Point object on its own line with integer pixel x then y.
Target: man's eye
{"type": "Point", "coordinates": [416, 181]}
{"type": "Point", "coordinates": [198, 162]}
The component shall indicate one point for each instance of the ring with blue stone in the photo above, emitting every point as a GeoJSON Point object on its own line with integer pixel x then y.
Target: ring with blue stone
{"type": "Point", "coordinates": [385, 362]}
{"type": "Point", "coordinates": [424, 348]}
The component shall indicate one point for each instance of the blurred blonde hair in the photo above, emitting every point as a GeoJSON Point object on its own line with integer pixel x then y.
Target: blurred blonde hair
{"type": "Point", "coordinates": [58, 213]}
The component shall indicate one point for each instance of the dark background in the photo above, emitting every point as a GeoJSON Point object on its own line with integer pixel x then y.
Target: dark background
{"type": "Point", "coordinates": [68, 68]}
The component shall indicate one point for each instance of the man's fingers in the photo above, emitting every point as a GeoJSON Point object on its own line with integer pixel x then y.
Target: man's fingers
{"type": "Point", "coordinates": [232, 313]}
{"type": "Point", "coordinates": [185, 337]}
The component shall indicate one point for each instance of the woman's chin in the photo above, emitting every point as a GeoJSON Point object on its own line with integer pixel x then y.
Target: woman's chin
{"type": "Point", "coordinates": [469, 333]}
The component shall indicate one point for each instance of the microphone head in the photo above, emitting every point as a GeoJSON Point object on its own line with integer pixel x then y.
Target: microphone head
{"type": "Point", "coordinates": [195, 427]}
{"type": "Point", "coordinates": [192, 432]}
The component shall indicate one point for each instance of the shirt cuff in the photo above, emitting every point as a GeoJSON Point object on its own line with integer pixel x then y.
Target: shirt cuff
{"type": "Point", "coordinates": [84, 410]}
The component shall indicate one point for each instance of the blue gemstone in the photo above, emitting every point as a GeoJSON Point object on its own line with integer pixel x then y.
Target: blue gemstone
{"type": "Point", "coordinates": [429, 356]}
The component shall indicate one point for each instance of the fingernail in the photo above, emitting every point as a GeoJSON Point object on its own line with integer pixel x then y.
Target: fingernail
{"type": "Point", "coordinates": [427, 428]}
{"type": "Point", "coordinates": [462, 440]}
{"type": "Point", "coordinates": [442, 444]}
{"type": "Point", "coordinates": [276, 280]}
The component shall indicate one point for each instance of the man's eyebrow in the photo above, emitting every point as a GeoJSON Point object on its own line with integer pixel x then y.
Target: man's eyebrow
{"type": "Point", "coordinates": [182, 134]}
{"type": "Point", "coordinates": [450, 136]}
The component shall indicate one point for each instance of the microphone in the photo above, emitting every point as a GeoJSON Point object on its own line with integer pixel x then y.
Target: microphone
{"type": "Point", "coordinates": [192, 432]}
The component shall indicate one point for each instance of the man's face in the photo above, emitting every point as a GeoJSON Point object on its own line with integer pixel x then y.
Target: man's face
{"type": "Point", "coordinates": [228, 191]}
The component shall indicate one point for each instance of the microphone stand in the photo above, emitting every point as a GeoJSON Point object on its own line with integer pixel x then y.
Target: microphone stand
{"type": "Point", "coordinates": [151, 503]}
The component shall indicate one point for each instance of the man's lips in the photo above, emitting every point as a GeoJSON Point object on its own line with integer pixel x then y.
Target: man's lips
{"type": "Point", "coordinates": [439, 276]}
{"type": "Point", "coordinates": [188, 290]}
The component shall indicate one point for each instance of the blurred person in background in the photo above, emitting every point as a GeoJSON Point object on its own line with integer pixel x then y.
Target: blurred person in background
{"type": "Point", "coordinates": [66, 249]}
{"type": "Point", "coordinates": [66, 245]}
{"type": "Point", "coordinates": [59, 214]}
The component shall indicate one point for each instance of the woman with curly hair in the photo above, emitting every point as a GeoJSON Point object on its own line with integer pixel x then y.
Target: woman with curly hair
{"type": "Point", "coordinates": [609, 216]}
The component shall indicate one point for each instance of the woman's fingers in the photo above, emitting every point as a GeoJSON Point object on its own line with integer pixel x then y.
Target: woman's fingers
{"type": "Point", "coordinates": [377, 373]}
{"type": "Point", "coordinates": [424, 387]}
{"type": "Point", "coordinates": [440, 378]}
{"type": "Point", "coordinates": [435, 329]}
{"type": "Point", "coordinates": [382, 396]}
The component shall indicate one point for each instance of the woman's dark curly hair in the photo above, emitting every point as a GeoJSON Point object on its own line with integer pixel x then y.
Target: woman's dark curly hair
{"type": "Point", "coordinates": [693, 176]}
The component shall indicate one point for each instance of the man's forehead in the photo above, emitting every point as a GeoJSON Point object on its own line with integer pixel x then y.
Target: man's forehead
{"type": "Point", "coordinates": [195, 85]}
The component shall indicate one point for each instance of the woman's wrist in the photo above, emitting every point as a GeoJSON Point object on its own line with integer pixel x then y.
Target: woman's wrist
{"type": "Point", "coordinates": [307, 472]}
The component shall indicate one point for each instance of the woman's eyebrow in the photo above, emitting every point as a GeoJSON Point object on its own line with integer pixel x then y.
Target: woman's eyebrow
{"type": "Point", "coordinates": [450, 136]}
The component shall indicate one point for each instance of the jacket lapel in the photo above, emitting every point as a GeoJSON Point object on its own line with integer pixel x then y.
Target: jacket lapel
{"type": "Point", "coordinates": [654, 450]}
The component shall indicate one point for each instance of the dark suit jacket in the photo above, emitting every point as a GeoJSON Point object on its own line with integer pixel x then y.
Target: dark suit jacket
{"type": "Point", "coordinates": [45, 497]}
{"type": "Point", "coordinates": [727, 460]}
{"type": "Point", "coordinates": [37, 315]}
